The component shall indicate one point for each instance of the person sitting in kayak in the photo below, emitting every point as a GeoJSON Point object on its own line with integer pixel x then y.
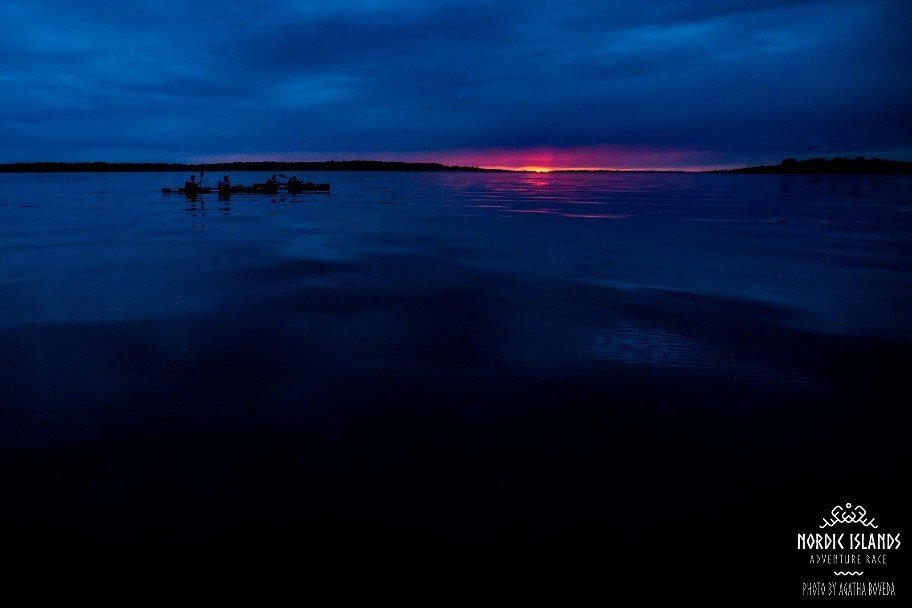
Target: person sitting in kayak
{"type": "Point", "coordinates": [224, 183]}
{"type": "Point", "coordinates": [271, 185]}
{"type": "Point", "coordinates": [294, 181]}
{"type": "Point", "coordinates": [191, 184]}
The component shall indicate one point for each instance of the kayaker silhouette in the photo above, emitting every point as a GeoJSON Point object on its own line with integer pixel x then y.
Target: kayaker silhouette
{"type": "Point", "coordinates": [224, 188]}
{"type": "Point", "coordinates": [272, 185]}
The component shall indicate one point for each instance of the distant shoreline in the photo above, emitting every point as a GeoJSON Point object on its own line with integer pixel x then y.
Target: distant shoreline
{"type": "Point", "coordinates": [833, 166]}
{"type": "Point", "coordinates": [264, 166]}
{"type": "Point", "coordinates": [814, 166]}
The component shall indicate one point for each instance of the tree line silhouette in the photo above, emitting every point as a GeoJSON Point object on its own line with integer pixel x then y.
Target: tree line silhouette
{"type": "Point", "coordinates": [834, 165]}
{"type": "Point", "coordinates": [262, 166]}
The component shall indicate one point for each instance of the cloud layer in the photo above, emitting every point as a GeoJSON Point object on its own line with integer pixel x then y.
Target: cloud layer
{"type": "Point", "coordinates": [624, 83]}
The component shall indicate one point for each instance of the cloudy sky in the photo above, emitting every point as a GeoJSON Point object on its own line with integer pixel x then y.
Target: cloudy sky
{"type": "Point", "coordinates": [602, 83]}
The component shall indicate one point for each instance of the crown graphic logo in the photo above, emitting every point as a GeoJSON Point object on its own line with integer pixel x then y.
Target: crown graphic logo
{"type": "Point", "coordinates": [848, 515]}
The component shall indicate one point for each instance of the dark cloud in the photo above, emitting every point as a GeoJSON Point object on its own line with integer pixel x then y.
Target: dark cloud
{"type": "Point", "coordinates": [737, 80]}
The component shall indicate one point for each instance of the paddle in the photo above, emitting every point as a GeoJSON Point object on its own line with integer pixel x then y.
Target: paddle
{"type": "Point", "coordinates": [201, 179]}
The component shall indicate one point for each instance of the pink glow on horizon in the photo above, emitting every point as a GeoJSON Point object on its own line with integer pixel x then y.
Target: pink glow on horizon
{"type": "Point", "coordinates": [579, 157]}
{"type": "Point", "coordinates": [628, 158]}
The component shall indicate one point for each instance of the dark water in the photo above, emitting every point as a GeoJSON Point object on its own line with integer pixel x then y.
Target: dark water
{"type": "Point", "coordinates": [628, 379]}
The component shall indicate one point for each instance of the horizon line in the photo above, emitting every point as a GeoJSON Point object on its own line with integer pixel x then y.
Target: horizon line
{"type": "Point", "coordinates": [398, 165]}
{"type": "Point", "coordinates": [498, 168]}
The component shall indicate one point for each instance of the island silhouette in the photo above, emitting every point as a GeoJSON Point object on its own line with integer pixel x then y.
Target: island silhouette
{"type": "Point", "coordinates": [263, 166]}
{"type": "Point", "coordinates": [834, 165]}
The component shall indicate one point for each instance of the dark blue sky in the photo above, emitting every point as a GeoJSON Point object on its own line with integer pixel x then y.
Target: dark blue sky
{"type": "Point", "coordinates": [603, 83]}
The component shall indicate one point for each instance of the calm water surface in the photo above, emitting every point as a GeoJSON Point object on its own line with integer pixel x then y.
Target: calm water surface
{"type": "Point", "coordinates": [477, 365]}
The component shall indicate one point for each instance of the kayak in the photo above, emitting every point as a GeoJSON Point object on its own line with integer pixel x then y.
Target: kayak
{"type": "Point", "coordinates": [186, 191]}
{"type": "Point", "coordinates": [255, 189]}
